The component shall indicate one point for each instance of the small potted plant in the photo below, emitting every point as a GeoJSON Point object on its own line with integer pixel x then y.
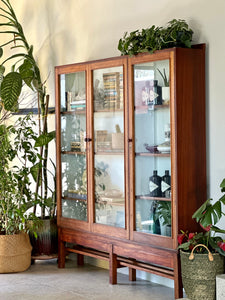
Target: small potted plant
{"type": "Point", "coordinates": [18, 158]}
{"type": "Point", "coordinates": [202, 254]}
{"type": "Point", "coordinates": [163, 212]}
{"type": "Point", "coordinates": [165, 87]}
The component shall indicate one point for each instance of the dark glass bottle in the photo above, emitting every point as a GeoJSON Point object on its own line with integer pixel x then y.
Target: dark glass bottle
{"type": "Point", "coordinates": [165, 183]}
{"type": "Point", "coordinates": [155, 92]}
{"type": "Point", "coordinates": [155, 185]}
{"type": "Point", "coordinates": [156, 224]}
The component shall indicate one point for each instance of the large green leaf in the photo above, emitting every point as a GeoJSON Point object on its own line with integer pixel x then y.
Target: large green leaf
{"type": "Point", "coordinates": [34, 171]}
{"type": "Point", "coordinates": [2, 70]}
{"type": "Point", "coordinates": [44, 139]}
{"type": "Point", "coordinates": [1, 52]}
{"type": "Point", "coordinates": [199, 212]}
{"type": "Point", "coordinates": [222, 185]}
{"type": "Point", "coordinates": [10, 90]}
{"type": "Point", "coordinates": [27, 73]}
{"type": "Point", "coordinates": [222, 199]}
{"type": "Point", "coordinates": [206, 220]}
{"type": "Point", "coordinates": [217, 229]}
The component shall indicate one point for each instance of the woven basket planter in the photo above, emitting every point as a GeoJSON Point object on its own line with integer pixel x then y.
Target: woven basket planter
{"type": "Point", "coordinates": [15, 253]}
{"type": "Point", "coordinates": [199, 274]}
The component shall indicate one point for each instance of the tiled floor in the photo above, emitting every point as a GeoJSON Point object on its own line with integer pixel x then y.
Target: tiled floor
{"type": "Point", "coordinates": [44, 280]}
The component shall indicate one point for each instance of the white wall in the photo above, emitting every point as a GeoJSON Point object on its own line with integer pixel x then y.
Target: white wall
{"type": "Point", "coordinates": [71, 31]}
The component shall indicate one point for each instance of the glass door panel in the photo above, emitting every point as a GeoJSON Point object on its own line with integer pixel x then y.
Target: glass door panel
{"type": "Point", "coordinates": [109, 146]}
{"type": "Point", "coordinates": [152, 148]}
{"type": "Point", "coordinates": [73, 146]}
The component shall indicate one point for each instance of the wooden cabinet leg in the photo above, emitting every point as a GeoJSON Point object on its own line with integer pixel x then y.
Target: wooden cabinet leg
{"type": "Point", "coordinates": [61, 253]}
{"type": "Point", "coordinates": [132, 274]}
{"type": "Point", "coordinates": [112, 266]}
{"type": "Point", "coordinates": [80, 259]}
{"type": "Point", "coordinates": [178, 287]}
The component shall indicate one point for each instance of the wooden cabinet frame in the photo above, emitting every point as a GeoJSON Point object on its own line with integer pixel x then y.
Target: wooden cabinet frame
{"type": "Point", "coordinates": [125, 246]}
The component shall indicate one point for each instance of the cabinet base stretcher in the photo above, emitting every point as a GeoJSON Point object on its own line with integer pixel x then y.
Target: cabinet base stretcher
{"type": "Point", "coordinates": [116, 261]}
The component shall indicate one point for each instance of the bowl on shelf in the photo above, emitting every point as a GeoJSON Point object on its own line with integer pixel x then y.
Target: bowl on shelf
{"type": "Point", "coordinates": [164, 148]}
{"type": "Point", "coordinates": [151, 149]}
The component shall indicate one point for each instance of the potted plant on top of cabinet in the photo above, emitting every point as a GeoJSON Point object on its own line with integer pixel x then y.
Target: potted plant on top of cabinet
{"type": "Point", "coordinates": [25, 70]}
{"type": "Point", "coordinates": [202, 254]}
{"type": "Point", "coordinates": [176, 34]}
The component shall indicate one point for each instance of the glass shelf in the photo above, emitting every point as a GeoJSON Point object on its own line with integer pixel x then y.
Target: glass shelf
{"type": "Point", "coordinates": [147, 108]}
{"type": "Point", "coordinates": [107, 111]}
{"type": "Point", "coordinates": [108, 153]}
{"type": "Point", "coordinates": [73, 152]}
{"type": "Point", "coordinates": [74, 112]}
{"type": "Point", "coordinates": [153, 154]}
{"type": "Point", "coordinates": [148, 197]}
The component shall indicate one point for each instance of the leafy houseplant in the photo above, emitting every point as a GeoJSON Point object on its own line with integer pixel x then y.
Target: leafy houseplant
{"type": "Point", "coordinates": [166, 87]}
{"type": "Point", "coordinates": [163, 212]}
{"type": "Point", "coordinates": [164, 77]}
{"type": "Point", "coordinates": [199, 270]}
{"type": "Point", "coordinates": [25, 72]}
{"type": "Point", "coordinates": [16, 195]}
{"type": "Point", "coordinates": [17, 162]}
{"type": "Point", "coordinates": [207, 216]}
{"type": "Point", "coordinates": [176, 34]}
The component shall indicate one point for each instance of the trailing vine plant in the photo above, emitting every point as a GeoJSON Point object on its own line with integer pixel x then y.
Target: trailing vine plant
{"type": "Point", "coordinates": [176, 34]}
{"type": "Point", "coordinates": [24, 71]}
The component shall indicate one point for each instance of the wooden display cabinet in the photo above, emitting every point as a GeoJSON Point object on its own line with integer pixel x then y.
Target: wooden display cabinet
{"type": "Point", "coordinates": [116, 125]}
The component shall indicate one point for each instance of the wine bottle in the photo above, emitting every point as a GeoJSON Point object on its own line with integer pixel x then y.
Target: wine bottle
{"type": "Point", "coordinates": [165, 183]}
{"type": "Point", "coordinates": [155, 92]}
{"type": "Point", "coordinates": [155, 185]}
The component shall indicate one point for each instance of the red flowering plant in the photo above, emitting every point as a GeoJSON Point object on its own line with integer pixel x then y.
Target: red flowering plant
{"type": "Point", "coordinates": [207, 216]}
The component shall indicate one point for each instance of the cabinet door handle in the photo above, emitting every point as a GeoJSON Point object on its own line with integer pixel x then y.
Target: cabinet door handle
{"type": "Point", "coordinates": [87, 140]}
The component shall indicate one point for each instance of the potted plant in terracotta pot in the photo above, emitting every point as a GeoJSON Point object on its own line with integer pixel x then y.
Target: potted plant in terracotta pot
{"type": "Point", "coordinates": [202, 254]}
{"type": "Point", "coordinates": [17, 159]}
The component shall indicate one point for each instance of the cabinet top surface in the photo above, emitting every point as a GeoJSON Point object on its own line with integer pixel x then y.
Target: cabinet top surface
{"type": "Point", "coordinates": [124, 57]}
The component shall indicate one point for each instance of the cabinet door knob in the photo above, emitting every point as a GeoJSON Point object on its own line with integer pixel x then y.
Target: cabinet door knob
{"type": "Point", "coordinates": [87, 140]}
{"type": "Point", "coordinates": [129, 140]}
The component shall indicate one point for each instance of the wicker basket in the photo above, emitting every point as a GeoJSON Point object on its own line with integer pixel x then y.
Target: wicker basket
{"type": "Point", "coordinates": [15, 253]}
{"type": "Point", "coordinates": [199, 274]}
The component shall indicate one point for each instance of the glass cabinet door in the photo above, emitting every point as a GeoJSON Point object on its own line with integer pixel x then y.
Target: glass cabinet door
{"type": "Point", "coordinates": [73, 146]}
{"type": "Point", "coordinates": [152, 148]}
{"type": "Point", "coordinates": [109, 146]}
